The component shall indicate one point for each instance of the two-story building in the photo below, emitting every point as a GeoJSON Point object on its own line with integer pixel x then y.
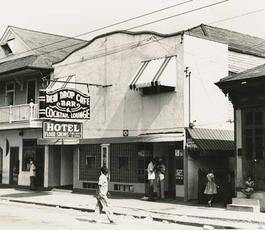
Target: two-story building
{"type": "Point", "coordinates": [151, 95]}
{"type": "Point", "coordinates": [26, 59]}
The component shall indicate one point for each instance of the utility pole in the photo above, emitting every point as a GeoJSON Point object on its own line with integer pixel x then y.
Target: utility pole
{"type": "Point", "coordinates": [188, 75]}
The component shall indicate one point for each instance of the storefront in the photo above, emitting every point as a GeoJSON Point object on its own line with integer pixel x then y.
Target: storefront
{"type": "Point", "coordinates": [210, 149]}
{"type": "Point", "coordinates": [127, 159]}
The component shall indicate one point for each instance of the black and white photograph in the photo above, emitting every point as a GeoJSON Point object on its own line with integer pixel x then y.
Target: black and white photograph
{"type": "Point", "coordinates": [123, 115]}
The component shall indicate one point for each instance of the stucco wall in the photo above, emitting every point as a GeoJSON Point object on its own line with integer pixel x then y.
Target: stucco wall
{"type": "Point", "coordinates": [15, 140]}
{"type": "Point", "coordinates": [208, 62]}
{"type": "Point", "coordinates": [117, 107]}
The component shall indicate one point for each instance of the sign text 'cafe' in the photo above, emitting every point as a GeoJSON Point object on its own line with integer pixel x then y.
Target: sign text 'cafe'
{"type": "Point", "coordinates": [64, 103]}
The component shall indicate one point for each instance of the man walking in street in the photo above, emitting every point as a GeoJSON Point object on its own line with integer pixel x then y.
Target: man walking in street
{"type": "Point", "coordinates": [102, 199]}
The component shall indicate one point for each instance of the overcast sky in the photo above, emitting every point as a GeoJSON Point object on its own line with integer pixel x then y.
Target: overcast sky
{"type": "Point", "coordinates": [73, 17]}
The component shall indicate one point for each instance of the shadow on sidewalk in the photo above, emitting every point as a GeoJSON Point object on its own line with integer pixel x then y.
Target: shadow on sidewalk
{"type": "Point", "coordinates": [26, 194]}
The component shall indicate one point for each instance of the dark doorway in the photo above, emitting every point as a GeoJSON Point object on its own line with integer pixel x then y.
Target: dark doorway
{"type": "Point", "coordinates": [171, 172]}
{"type": "Point", "coordinates": [1, 164]}
{"type": "Point", "coordinates": [14, 166]}
{"type": "Point", "coordinates": [224, 179]}
{"type": "Point", "coordinates": [39, 166]}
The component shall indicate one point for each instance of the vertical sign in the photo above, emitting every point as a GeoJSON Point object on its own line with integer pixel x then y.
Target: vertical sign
{"type": "Point", "coordinates": [179, 166]}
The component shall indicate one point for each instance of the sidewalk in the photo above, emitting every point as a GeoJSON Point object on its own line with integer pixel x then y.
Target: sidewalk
{"type": "Point", "coordinates": [170, 211]}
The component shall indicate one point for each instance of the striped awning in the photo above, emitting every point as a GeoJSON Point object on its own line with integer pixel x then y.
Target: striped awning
{"type": "Point", "coordinates": [157, 72]}
{"type": "Point", "coordinates": [211, 139]}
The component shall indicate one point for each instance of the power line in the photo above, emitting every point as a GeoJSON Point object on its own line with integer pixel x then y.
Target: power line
{"type": "Point", "coordinates": [104, 27]}
{"type": "Point", "coordinates": [176, 15]}
{"type": "Point", "coordinates": [152, 22]}
{"type": "Point", "coordinates": [237, 16]}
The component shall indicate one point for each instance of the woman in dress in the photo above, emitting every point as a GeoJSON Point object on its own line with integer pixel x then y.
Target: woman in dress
{"type": "Point", "coordinates": [211, 187]}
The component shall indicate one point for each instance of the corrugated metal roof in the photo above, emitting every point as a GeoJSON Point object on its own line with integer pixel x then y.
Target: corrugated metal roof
{"type": "Point", "coordinates": [31, 61]}
{"type": "Point", "coordinates": [258, 71]}
{"type": "Point", "coordinates": [51, 47]}
{"type": "Point", "coordinates": [236, 41]}
{"type": "Point", "coordinates": [212, 139]}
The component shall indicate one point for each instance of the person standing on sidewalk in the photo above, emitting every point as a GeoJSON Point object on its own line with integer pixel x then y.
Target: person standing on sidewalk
{"type": "Point", "coordinates": [161, 169]}
{"type": "Point", "coordinates": [151, 178]}
{"type": "Point", "coordinates": [102, 199]}
{"type": "Point", "coordinates": [32, 175]}
{"type": "Point", "coordinates": [211, 187]}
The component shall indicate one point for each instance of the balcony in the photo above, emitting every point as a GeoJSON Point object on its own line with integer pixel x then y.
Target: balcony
{"type": "Point", "coordinates": [20, 116]}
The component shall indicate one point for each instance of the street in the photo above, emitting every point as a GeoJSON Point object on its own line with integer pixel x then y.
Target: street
{"type": "Point", "coordinates": [15, 216]}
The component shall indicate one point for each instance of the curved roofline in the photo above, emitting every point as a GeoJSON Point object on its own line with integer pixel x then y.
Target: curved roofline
{"type": "Point", "coordinates": [123, 32]}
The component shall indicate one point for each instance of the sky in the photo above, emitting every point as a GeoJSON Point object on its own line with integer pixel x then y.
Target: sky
{"type": "Point", "coordinates": [74, 17]}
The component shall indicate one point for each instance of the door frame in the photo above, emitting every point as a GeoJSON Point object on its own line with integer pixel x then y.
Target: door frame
{"type": "Point", "coordinates": [14, 156]}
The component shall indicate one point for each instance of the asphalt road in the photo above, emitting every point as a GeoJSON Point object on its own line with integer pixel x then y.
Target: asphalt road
{"type": "Point", "coordinates": [14, 216]}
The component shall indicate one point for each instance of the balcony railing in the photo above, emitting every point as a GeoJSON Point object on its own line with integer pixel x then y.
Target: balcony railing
{"type": "Point", "coordinates": [15, 113]}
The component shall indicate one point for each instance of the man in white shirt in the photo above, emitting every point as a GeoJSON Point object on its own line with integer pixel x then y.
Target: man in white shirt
{"type": "Point", "coordinates": [151, 178]}
{"type": "Point", "coordinates": [102, 199]}
{"type": "Point", "coordinates": [32, 175]}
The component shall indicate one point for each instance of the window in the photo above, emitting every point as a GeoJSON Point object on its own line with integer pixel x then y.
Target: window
{"type": "Point", "coordinates": [123, 187]}
{"type": "Point", "coordinates": [7, 49]}
{"type": "Point", "coordinates": [91, 162]}
{"type": "Point", "coordinates": [10, 93]}
{"type": "Point", "coordinates": [31, 91]}
{"type": "Point", "coordinates": [30, 150]}
{"type": "Point", "coordinates": [254, 133]}
{"type": "Point", "coordinates": [123, 163]}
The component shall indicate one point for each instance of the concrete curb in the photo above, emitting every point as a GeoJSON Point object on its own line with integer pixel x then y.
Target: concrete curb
{"type": "Point", "coordinates": [154, 216]}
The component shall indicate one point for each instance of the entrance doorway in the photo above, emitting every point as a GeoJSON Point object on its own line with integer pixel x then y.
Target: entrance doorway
{"type": "Point", "coordinates": [171, 173]}
{"type": "Point", "coordinates": [14, 166]}
{"type": "Point", "coordinates": [1, 164]}
{"type": "Point", "coordinates": [61, 169]}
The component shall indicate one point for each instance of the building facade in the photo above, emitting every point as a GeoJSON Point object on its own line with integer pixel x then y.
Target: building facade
{"type": "Point", "coordinates": [246, 91]}
{"type": "Point", "coordinates": [151, 95]}
{"type": "Point", "coordinates": [26, 59]}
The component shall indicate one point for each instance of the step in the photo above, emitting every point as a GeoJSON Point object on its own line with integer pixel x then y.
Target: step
{"type": "Point", "coordinates": [245, 201]}
{"type": "Point", "coordinates": [256, 195]}
{"type": "Point", "coordinates": [243, 208]}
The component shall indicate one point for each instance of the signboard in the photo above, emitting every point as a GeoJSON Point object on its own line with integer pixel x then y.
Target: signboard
{"type": "Point", "coordinates": [191, 145]}
{"type": "Point", "coordinates": [179, 156]}
{"type": "Point", "coordinates": [66, 103]}
{"type": "Point", "coordinates": [52, 129]}
{"type": "Point", "coordinates": [125, 132]}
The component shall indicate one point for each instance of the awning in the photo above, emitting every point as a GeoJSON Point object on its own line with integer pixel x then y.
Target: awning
{"type": "Point", "coordinates": [210, 139]}
{"type": "Point", "coordinates": [149, 138]}
{"type": "Point", "coordinates": [54, 141]}
{"type": "Point", "coordinates": [157, 72]}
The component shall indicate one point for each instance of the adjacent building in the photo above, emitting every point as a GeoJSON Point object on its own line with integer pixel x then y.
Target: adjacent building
{"type": "Point", "coordinates": [26, 59]}
{"type": "Point", "coordinates": [246, 92]}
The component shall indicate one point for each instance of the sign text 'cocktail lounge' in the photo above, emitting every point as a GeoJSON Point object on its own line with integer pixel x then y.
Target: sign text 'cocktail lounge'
{"type": "Point", "coordinates": [64, 103]}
